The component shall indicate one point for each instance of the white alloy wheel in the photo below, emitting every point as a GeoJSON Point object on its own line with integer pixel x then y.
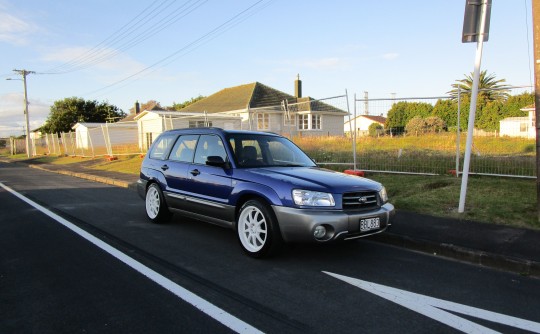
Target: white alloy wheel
{"type": "Point", "coordinates": [156, 208]}
{"type": "Point", "coordinates": [252, 229]}
{"type": "Point", "coordinates": [153, 202]}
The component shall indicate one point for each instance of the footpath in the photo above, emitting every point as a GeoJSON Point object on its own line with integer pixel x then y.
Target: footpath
{"type": "Point", "coordinates": [496, 246]}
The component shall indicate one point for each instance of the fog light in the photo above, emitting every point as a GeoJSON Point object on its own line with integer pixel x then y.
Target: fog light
{"type": "Point", "coordinates": [320, 232]}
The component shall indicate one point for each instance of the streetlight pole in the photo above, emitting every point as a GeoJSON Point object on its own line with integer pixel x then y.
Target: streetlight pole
{"type": "Point", "coordinates": [24, 73]}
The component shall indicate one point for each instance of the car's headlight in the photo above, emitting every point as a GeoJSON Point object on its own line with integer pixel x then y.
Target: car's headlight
{"type": "Point", "coordinates": [383, 195]}
{"type": "Point", "coordinates": [312, 198]}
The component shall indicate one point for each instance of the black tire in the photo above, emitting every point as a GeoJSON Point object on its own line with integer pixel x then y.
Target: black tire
{"type": "Point", "coordinates": [257, 230]}
{"type": "Point", "coordinates": [156, 207]}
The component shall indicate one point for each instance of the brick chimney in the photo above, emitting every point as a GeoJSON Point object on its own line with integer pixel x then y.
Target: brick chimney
{"type": "Point", "coordinates": [137, 108]}
{"type": "Point", "coordinates": [298, 86]}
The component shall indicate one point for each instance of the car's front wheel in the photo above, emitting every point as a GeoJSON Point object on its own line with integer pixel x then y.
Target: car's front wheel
{"type": "Point", "coordinates": [156, 208]}
{"type": "Point", "coordinates": [257, 230]}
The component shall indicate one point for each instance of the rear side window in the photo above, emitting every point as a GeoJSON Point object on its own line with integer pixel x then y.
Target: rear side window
{"type": "Point", "coordinates": [184, 148]}
{"type": "Point", "coordinates": [161, 147]}
{"type": "Point", "coordinates": [209, 145]}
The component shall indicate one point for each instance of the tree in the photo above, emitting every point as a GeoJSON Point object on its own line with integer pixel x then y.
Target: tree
{"type": "Point", "coordinates": [179, 106]}
{"type": "Point", "coordinates": [514, 104]}
{"type": "Point", "coordinates": [416, 126]}
{"type": "Point", "coordinates": [431, 124]}
{"type": "Point", "coordinates": [375, 129]}
{"type": "Point", "coordinates": [488, 86]}
{"type": "Point", "coordinates": [67, 112]}
{"type": "Point", "coordinates": [434, 124]}
{"type": "Point", "coordinates": [402, 112]}
{"type": "Point", "coordinates": [447, 111]}
{"type": "Point", "coordinates": [488, 117]}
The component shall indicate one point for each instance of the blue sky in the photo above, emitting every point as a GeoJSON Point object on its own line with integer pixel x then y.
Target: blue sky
{"type": "Point", "coordinates": [410, 48]}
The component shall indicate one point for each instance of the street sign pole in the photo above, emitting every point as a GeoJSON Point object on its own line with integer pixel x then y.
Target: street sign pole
{"type": "Point", "coordinates": [474, 94]}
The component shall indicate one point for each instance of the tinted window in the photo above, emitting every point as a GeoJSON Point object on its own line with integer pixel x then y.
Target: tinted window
{"type": "Point", "coordinates": [184, 148]}
{"type": "Point", "coordinates": [252, 150]}
{"type": "Point", "coordinates": [209, 145]}
{"type": "Point", "coordinates": [161, 147]}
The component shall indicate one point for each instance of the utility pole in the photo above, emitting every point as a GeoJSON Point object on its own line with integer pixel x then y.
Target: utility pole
{"type": "Point", "coordinates": [536, 39]}
{"type": "Point", "coordinates": [24, 73]}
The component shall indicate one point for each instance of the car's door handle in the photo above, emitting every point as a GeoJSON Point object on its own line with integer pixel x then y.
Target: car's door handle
{"type": "Point", "coordinates": [195, 172]}
{"type": "Point", "coordinates": [164, 167]}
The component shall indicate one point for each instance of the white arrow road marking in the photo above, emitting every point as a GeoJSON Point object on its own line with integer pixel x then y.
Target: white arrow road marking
{"type": "Point", "coordinates": [430, 307]}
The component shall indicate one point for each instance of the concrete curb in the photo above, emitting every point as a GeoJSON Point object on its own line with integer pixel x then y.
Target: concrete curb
{"type": "Point", "coordinates": [101, 179]}
{"type": "Point", "coordinates": [464, 254]}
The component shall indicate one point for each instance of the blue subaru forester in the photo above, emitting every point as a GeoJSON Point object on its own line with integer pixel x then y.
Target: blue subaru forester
{"type": "Point", "coordinates": [259, 184]}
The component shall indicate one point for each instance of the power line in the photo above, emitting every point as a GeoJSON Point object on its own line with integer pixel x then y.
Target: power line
{"type": "Point", "coordinates": [212, 34]}
{"type": "Point", "coordinates": [129, 35]}
{"type": "Point", "coordinates": [98, 48]}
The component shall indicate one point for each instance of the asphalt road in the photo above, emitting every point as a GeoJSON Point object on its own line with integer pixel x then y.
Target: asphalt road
{"type": "Point", "coordinates": [55, 280]}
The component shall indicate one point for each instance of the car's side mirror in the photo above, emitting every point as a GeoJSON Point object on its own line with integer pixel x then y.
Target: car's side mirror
{"type": "Point", "coordinates": [216, 161]}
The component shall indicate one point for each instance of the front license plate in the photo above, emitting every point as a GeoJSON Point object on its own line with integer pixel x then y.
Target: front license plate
{"type": "Point", "coordinates": [369, 224]}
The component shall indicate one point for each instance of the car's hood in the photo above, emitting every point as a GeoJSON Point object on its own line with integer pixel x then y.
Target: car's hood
{"type": "Point", "coordinates": [313, 178]}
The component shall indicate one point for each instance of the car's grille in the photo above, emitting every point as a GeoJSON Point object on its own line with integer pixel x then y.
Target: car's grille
{"type": "Point", "coordinates": [360, 201]}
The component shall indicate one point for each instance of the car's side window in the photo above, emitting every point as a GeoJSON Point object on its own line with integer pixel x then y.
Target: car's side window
{"type": "Point", "coordinates": [184, 148]}
{"type": "Point", "coordinates": [161, 147]}
{"type": "Point", "coordinates": [209, 145]}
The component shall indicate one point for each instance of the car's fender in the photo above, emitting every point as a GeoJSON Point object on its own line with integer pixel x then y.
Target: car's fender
{"type": "Point", "coordinates": [245, 188]}
{"type": "Point", "coordinates": [156, 176]}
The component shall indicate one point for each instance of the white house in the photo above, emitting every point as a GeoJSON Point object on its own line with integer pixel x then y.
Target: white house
{"type": "Point", "coordinates": [263, 108]}
{"type": "Point", "coordinates": [362, 124]}
{"type": "Point", "coordinates": [151, 123]}
{"type": "Point", "coordinates": [524, 127]}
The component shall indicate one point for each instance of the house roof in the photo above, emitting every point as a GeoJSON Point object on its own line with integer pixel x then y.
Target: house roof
{"type": "Point", "coordinates": [133, 116]}
{"type": "Point", "coordinates": [179, 114]}
{"type": "Point", "coordinates": [378, 119]}
{"type": "Point", "coordinates": [252, 96]}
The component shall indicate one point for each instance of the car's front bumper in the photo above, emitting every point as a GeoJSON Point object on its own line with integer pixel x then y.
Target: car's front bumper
{"type": "Point", "coordinates": [298, 225]}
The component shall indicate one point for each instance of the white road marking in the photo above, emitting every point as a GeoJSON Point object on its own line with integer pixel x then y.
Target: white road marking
{"type": "Point", "coordinates": [213, 311]}
{"type": "Point", "coordinates": [431, 307]}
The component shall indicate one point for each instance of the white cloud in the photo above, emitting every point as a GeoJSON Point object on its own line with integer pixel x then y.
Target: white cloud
{"type": "Point", "coordinates": [390, 56]}
{"type": "Point", "coordinates": [12, 114]}
{"type": "Point", "coordinates": [107, 66]}
{"type": "Point", "coordinates": [14, 30]}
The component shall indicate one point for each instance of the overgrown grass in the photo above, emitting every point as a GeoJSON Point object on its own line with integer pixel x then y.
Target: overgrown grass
{"type": "Point", "coordinates": [431, 153]}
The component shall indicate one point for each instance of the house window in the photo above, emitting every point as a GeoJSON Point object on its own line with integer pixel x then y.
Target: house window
{"type": "Point", "coordinates": [522, 127]}
{"type": "Point", "coordinates": [199, 124]}
{"type": "Point", "coordinates": [303, 122]}
{"type": "Point", "coordinates": [315, 122]}
{"type": "Point", "coordinates": [263, 121]}
{"type": "Point", "coordinates": [290, 120]}
{"type": "Point", "coordinates": [148, 139]}
{"type": "Point", "coordinates": [309, 122]}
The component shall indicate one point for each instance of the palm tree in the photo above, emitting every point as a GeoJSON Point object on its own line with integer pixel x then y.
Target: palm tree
{"type": "Point", "coordinates": [490, 88]}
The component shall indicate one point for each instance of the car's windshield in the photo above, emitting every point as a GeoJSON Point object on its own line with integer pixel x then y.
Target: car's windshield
{"type": "Point", "coordinates": [259, 150]}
